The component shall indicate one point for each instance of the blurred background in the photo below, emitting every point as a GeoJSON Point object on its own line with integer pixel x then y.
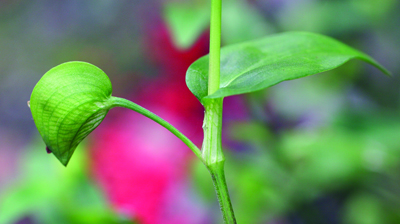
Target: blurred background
{"type": "Point", "coordinates": [322, 149]}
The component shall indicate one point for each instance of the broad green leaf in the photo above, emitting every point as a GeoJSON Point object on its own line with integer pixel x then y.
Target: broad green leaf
{"type": "Point", "coordinates": [68, 103]}
{"type": "Point", "coordinates": [258, 64]}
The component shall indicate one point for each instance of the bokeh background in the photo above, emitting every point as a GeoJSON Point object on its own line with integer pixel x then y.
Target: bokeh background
{"type": "Point", "coordinates": [319, 150]}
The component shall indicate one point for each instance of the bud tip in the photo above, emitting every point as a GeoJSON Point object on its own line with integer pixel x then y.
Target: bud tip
{"type": "Point", "coordinates": [48, 150]}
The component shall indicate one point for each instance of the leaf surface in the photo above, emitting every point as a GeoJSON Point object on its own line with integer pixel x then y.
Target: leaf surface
{"type": "Point", "coordinates": [68, 103]}
{"type": "Point", "coordinates": [258, 64]}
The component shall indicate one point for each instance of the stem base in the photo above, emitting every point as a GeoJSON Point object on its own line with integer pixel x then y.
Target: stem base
{"type": "Point", "coordinates": [218, 177]}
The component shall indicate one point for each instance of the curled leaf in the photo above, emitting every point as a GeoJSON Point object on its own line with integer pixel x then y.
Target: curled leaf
{"type": "Point", "coordinates": [68, 103]}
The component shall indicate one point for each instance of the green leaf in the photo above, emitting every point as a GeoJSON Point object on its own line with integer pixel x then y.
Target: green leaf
{"type": "Point", "coordinates": [71, 100]}
{"type": "Point", "coordinates": [68, 103]}
{"type": "Point", "coordinates": [258, 64]}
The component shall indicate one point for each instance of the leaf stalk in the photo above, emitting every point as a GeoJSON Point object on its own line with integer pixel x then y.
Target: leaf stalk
{"type": "Point", "coordinates": [121, 102]}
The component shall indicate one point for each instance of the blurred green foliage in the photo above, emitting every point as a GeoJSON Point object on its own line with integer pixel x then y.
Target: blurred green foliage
{"type": "Point", "coordinates": [356, 159]}
{"type": "Point", "coordinates": [48, 193]}
{"type": "Point", "coordinates": [186, 21]}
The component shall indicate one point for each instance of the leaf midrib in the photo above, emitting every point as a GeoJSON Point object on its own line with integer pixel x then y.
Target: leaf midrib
{"type": "Point", "coordinates": [261, 61]}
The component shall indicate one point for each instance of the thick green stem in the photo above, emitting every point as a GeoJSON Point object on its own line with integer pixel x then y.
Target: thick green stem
{"type": "Point", "coordinates": [121, 102]}
{"type": "Point", "coordinates": [212, 126]}
{"type": "Point", "coordinates": [213, 156]}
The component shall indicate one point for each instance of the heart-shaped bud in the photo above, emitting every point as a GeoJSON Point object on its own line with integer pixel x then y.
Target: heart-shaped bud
{"type": "Point", "coordinates": [68, 103]}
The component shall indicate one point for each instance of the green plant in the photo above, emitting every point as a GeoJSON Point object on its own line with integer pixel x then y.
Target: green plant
{"type": "Point", "coordinates": [72, 99]}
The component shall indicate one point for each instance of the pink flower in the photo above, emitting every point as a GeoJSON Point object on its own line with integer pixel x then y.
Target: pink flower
{"type": "Point", "coordinates": [142, 167]}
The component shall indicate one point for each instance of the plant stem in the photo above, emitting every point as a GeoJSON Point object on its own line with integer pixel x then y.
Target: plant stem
{"type": "Point", "coordinates": [121, 102]}
{"type": "Point", "coordinates": [215, 45]}
{"type": "Point", "coordinates": [211, 149]}
{"type": "Point", "coordinates": [213, 156]}
{"type": "Point", "coordinates": [218, 177]}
